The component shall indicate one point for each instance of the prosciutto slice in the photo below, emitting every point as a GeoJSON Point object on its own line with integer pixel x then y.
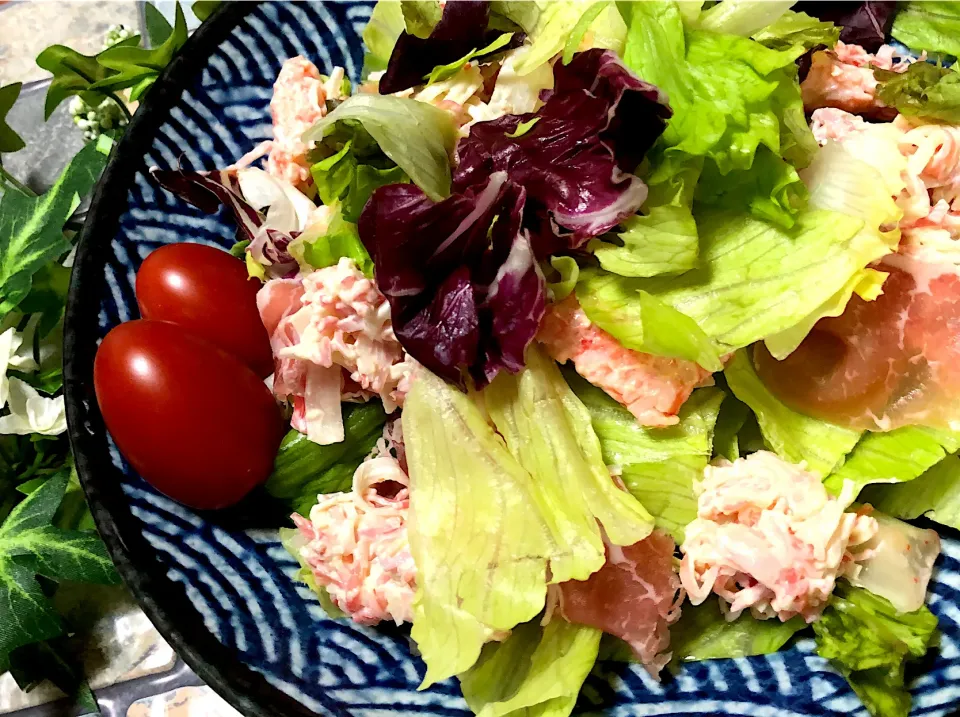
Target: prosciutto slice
{"type": "Point", "coordinates": [634, 596]}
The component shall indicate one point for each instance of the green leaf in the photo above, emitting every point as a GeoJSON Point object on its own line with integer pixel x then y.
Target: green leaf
{"type": "Point", "coordinates": [239, 249]}
{"type": "Point", "coordinates": [203, 9]}
{"type": "Point", "coordinates": [704, 633]}
{"type": "Point", "coordinates": [350, 179]}
{"type": "Point", "coordinates": [51, 660]}
{"type": "Point", "coordinates": [580, 29]}
{"type": "Point", "coordinates": [445, 72]}
{"type": "Point", "coordinates": [935, 494]}
{"type": "Point", "coordinates": [421, 16]}
{"type": "Point", "coordinates": [865, 637]}
{"type": "Point", "coordinates": [31, 228]}
{"type": "Point", "coordinates": [418, 137]}
{"type": "Point", "coordinates": [641, 321]}
{"type": "Point", "coordinates": [158, 29]}
{"type": "Point", "coordinates": [339, 239]}
{"type": "Point", "coordinates": [63, 555]}
{"type": "Point", "coordinates": [924, 90]}
{"type": "Point", "coordinates": [137, 67]}
{"type": "Point", "coordinates": [523, 128]}
{"type": "Point", "coordinates": [734, 414]}
{"type": "Point", "coordinates": [38, 509]}
{"type": "Point", "coordinates": [931, 26]}
{"type": "Point", "coordinates": [797, 29]}
{"type": "Point", "coordinates": [73, 74]}
{"type": "Point", "coordinates": [26, 615]}
{"type": "Point", "coordinates": [380, 35]}
{"type": "Point", "coordinates": [791, 435]}
{"type": "Point", "coordinates": [742, 17]}
{"type": "Point", "coordinates": [304, 469]}
{"type": "Point", "coordinates": [10, 141]}
{"type": "Point", "coordinates": [537, 671]}
{"type": "Point", "coordinates": [898, 456]}
{"type": "Point", "coordinates": [569, 273]}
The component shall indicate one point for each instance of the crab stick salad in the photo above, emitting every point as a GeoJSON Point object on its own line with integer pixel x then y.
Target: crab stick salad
{"type": "Point", "coordinates": [573, 320]}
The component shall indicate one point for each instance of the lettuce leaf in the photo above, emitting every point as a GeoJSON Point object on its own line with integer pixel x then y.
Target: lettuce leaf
{"type": "Point", "coordinates": [742, 17]}
{"type": "Point", "coordinates": [642, 322]}
{"type": "Point", "coordinates": [293, 540]}
{"type": "Point", "coordinates": [865, 637]}
{"type": "Point", "coordinates": [797, 28]}
{"type": "Point", "coordinates": [935, 494]}
{"type": "Point", "coordinates": [537, 671]}
{"type": "Point", "coordinates": [657, 465]}
{"type": "Point", "coordinates": [477, 535]}
{"type": "Point", "coordinates": [321, 246]}
{"type": "Point", "coordinates": [420, 17]}
{"type": "Point", "coordinates": [704, 633]}
{"type": "Point", "coordinates": [931, 26]}
{"type": "Point", "coordinates": [924, 90]}
{"type": "Point", "coordinates": [791, 435]}
{"type": "Point", "coordinates": [417, 136]}
{"type": "Point", "coordinates": [569, 273]}
{"type": "Point", "coordinates": [380, 35]}
{"type": "Point", "coordinates": [445, 72]}
{"type": "Point", "coordinates": [549, 431]}
{"type": "Point", "coordinates": [898, 456]}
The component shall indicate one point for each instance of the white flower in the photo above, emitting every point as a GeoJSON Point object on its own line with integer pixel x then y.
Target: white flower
{"type": "Point", "coordinates": [6, 349]}
{"type": "Point", "coordinates": [30, 412]}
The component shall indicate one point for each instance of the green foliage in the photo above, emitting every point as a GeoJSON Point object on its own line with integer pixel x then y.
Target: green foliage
{"type": "Point", "coordinates": [10, 141]}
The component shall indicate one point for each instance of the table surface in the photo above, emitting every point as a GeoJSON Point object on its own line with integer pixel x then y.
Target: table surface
{"type": "Point", "coordinates": [132, 670]}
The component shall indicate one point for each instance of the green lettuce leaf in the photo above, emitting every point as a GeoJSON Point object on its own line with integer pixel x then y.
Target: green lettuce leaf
{"type": "Point", "coordinates": [349, 179]}
{"type": "Point", "coordinates": [477, 530]}
{"type": "Point", "coordinates": [339, 238]}
{"type": "Point", "coordinates": [924, 90]}
{"type": "Point", "coordinates": [303, 469]}
{"type": "Point", "coordinates": [657, 465]}
{"type": "Point", "coordinates": [549, 431]}
{"type": "Point", "coordinates": [418, 137]}
{"type": "Point", "coordinates": [380, 35]}
{"type": "Point", "coordinates": [421, 16]}
{"type": "Point", "coordinates": [703, 633]}
{"type": "Point", "coordinates": [932, 25]}
{"type": "Point", "coordinates": [899, 456]}
{"type": "Point", "coordinates": [568, 272]}
{"type": "Point", "coordinates": [293, 540]}
{"type": "Point", "coordinates": [797, 29]}
{"type": "Point", "coordinates": [662, 240]}
{"type": "Point", "coordinates": [445, 72]}
{"type": "Point", "coordinates": [869, 642]}
{"type": "Point", "coordinates": [791, 435]}
{"type": "Point", "coordinates": [641, 321]}
{"type": "Point", "coordinates": [742, 17]}
{"type": "Point", "coordinates": [935, 494]}
{"type": "Point", "coordinates": [734, 415]}
{"type": "Point", "coordinates": [537, 671]}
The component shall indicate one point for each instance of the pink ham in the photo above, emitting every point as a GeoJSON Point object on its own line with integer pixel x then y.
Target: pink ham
{"type": "Point", "coordinates": [652, 387]}
{"type": "Point", "coordinates": [278, 300]}
{"type": "Point", "coordinates": [634, 596]}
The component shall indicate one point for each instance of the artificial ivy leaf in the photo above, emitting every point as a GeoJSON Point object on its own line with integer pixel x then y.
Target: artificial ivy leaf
{"type": "Point", "coordinates": [64, 555]}
{"type": "Point", "coordinates": [138, 67]}
{"type": "Point", "coordinates": [74, 74]}
{"type": "Point", "coordinates": [10, 141]}
{"type": "Point", "coordinates": [54, 661]}
{"type": "Point", "coordinates": [203, 9]}
{"type": "Point", "coordinates": [31, 228]}
{"type": "Point", "coordinates": [158, 29]}
{"type": "Point", "coordinates": [26, 615]}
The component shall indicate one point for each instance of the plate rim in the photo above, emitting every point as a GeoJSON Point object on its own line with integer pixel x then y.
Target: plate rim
{"type": "Point", "coordinates": [164, 601]}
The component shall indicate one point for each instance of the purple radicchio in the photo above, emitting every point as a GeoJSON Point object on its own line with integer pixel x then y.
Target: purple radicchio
{"type": "Point", "coordinates": [594, 128]}
{"type": "Point", "coordinates": [460, 276]}
{"type": "Point", "coordinates": [862, 23]}
{"type": "Point", "coordinates": [208, 191]}
{"type": "Point", "coordinates": [462, 29]}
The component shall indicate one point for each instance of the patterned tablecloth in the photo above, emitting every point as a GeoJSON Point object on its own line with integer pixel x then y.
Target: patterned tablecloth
{"type": "Point", "coordinates": [132, 670]}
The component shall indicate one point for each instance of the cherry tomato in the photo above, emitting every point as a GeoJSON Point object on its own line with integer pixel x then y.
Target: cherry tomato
{"type": "Point", "coordinates": [195, 422]}
{"type": "Point", "coordinates": [208, 292]}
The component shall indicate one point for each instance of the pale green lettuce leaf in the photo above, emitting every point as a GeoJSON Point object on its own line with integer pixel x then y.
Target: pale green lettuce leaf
{"type": "Point", "coordinates": [734, 415]}
{"type": "Point", "coordinates": [293, 541]}
{"type": "Point", "coordinates": [641, 321]}
{"type": "Point", "coordinates": [742, 17]}
{"type": "Point", "coordinates": [481, 547]}
{"type": "Point", "coordinates": [549, 431]}
{"type": "Point", "coordinates": [380, 35]}
{"type": "Point", "coordinates": [420, 16]}
{"type": "Point", "coordinates": [935, 494]}
{"type": "Point", "coordinates": [445, 72]}
{"type": "Point", "coordinates": [536, 672]}
{"type": "Point", "coordinates": [657, 465]}
{"type": "Point", "coordinates": [931, 26]}
{"type": "Point", "coordinates": [895, 457]}
{"type": "Point", "coordinates": [703, 633]}
{"type": "Point", "coordinates": [569, 273]}
{"type": "Point", "coordinates": [791, 435]}
{"type": "Point", "coordinates": [797, 28]}
{"type": "Point", "coordinates": [417, 136]}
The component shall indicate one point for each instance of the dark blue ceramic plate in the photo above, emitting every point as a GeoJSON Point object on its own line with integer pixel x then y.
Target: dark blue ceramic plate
{"type": "Point", "coordinates": [219, 587]}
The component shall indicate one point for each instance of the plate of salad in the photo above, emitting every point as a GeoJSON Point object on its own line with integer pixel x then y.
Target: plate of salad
{"type": "Point", "coordinates": [544, 357]}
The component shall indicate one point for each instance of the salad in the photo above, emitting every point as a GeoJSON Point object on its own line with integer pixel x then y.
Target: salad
{"type": "Point", "coordinates": [585, 330]}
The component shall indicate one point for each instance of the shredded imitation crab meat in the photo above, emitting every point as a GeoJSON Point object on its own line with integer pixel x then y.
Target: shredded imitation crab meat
{"type": "Point", "coordinates": [357, 547]}
{"type": "Point", "coordinates": [332, 340]}
{"type": "Point", "coordinates": [651, 387]}
{"type": "Point", "coordinates": [843, 78]}
{"type": "Point", "coordinates": [299, 99]}
{"type": "Point", "coordinates": [769, 537]}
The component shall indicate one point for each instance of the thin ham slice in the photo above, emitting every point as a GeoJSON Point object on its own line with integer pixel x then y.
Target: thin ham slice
{"type": "Point", "coordinates": [653, 388]}
{"type": "Point", "coordinates": [634, 596]}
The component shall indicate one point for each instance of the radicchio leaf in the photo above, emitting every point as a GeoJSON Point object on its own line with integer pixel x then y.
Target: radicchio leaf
{"type": "Point", "coordinates": [463, 287]}
{"type": "Point", "coordinates": [208, 191]}
{"type": "Point", "coordinates": [595, 126]}
{"type": "Point", "coordinates": [462, 29]}
{"type": "Point", "coordinates": [862, 23]}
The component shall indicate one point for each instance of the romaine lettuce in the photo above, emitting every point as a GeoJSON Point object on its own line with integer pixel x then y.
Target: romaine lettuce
{"type": "Point", "coordinates": [537, 671]}
{"type": "Point", "coordinates": [797, 28]}
{"type": "Point", "coordinates": [324, 244]}
{"type": "Point", "coordinates": [931, 26]}
{"type": "Point", "coordinates": [793, 436]}
{"type": "Point", "coordinates": [742, 17]}
{"type": "Point", "coordinates": [549, 431]}
{"type": "Point", "coordinates": [924, 90]}
{"type": "Point", "coordinates": [935, 494]}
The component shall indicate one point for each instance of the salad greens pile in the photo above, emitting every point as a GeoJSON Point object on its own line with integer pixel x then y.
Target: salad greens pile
{"type": "Point", "coordinates": [49, 550]}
